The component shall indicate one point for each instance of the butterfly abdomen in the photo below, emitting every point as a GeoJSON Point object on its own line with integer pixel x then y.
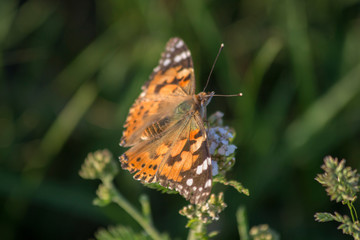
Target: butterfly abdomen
{"type": "Point", "coordinates": [155, 129]}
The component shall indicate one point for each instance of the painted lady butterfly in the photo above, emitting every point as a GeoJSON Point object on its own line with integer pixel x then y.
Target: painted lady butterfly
{"type": "Point", "coordinates": [165, 128]}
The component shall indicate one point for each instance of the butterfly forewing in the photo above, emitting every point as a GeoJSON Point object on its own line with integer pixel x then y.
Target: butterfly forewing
{"type": "Point", "coordinates": [175, 62]}
{"type": "Point", "coordinates": [171, 83]}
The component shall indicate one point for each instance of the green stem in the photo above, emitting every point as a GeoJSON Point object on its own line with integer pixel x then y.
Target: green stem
{"type": "Point", "coordinates": [356, 216]}
{"type": "Point", "coordinates": [143, 222]}
{"type": "Point", "coordinates": [198, 230]}
{"type": "Point", "coordinates": [351, 211]}
{"type": "Point", "coordinates": [145, 206]}
{"type": "Point", "coordinates": [243, 227]}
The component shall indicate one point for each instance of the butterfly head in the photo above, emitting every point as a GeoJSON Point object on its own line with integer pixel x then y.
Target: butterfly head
{"type": "Point", "coordinates": [204, 99]}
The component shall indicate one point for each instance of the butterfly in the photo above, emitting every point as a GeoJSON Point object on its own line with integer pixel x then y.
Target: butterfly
{"type": "Point", "coordinates": [165, 128]}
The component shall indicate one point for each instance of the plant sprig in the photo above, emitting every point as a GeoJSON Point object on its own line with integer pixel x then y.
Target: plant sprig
{"type": "Point", "coordinates": [101, 165]}
{"type": "Point", "coordinates": [342, 185]}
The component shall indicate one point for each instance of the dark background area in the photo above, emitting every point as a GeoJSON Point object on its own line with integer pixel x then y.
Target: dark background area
{"type": "Point", "coordinates": [70, 70]}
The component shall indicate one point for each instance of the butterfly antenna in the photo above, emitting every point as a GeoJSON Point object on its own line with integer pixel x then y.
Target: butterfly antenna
{"type": "Point", "coordinates": [232, 95]}
{"type": "Point", "coordinates": [212, 68]}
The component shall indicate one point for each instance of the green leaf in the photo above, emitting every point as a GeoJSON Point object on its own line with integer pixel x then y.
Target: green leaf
{"type": "Point", "coordinates": [192, 223]}
{"type": "Point", "coordinates": [119, 233]}
{"type": "Point", "coordinates": [324, 217]}
{"type": "Point", "coordinates": [213, 234]}
{"type": "Point", "coordinates": [238, 186]}
{"type": "Point", "coordinates": [160, 188]}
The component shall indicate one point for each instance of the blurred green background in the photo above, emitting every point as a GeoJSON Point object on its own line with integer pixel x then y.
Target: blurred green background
{"type": "Point", "coordinates": [70, 70]}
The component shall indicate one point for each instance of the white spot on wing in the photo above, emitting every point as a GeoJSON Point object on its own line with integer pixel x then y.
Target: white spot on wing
{"type": "Point", "coordinates": [189, 182]}
{"type": "Point", "coordinates": [179, 44]}
{"type": "Point", "coordinates": [183, 55]}
{"type": "Point", "coordinates": [208, 183]}
{"type": "Point", "coordinates": [208, 160]}
{"type": "Point", "coordinates": [177, 58]}
{"type": "Point", "coordinates": [157, 69]}
{"type": "Point", "coordinates": [166, 62]}
{"type": "Point", "coordinates": [205, 165]}
{"type": "Point", "coordinates": [199, 169]}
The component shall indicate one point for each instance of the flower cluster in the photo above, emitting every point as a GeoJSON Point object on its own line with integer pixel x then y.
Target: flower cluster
{"type": "Point", "coordinates": [342, 185]}
{"type": "Point", "coordinates": [99, 165]}
{"type": "Point", "coordinates": [263, 232]}
{"type": "Point", "coordinates": [206, 213]}
{"type": "Point", "coordinates": [341, 182]}
{"type": "Point", "coordinates": [220, 147]}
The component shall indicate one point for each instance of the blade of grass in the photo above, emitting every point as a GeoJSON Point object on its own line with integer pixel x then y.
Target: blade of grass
{"type": "Point", "coordinates": [254, 76]}
{"type": "Point", "coordinates": [88, 62]}
{"type": "Point", "coordinates": [51, 144]}
{"type": "Point", "coordinates": [29, 17]}
{"type": "Point", "coordinates": [7, 14]}
{"type": "Point", "coordinates": [243, 226]}
{"type": "Point", "coordinates": [323, 110]}
{"type": "Point", "coordinates": [298, 39]}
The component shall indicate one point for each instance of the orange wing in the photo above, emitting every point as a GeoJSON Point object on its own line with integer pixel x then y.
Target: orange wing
{"type": "Point", "coordinates": [171, 83]}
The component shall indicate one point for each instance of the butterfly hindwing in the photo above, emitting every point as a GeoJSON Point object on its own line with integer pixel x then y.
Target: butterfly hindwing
{"type": "Point", "coordinates": [179, 160]}
{"type": "Point", "coordinates": [187, 168]}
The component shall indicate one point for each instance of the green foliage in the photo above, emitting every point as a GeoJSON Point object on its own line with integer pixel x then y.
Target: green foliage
{"type": "Point", "coordinates": [342, 185]}
{"type": "Point", "coordinates": [101, 165]}
{"type": "Point", "coordinates": [160, 188]}
{"type": "Point", "coordinates": [119, 233]}
{"type": "Point", "coordinates": [238, 186]}
{"type": "Point", "coordinates": [347, 226]}
{"type": "Point", "coordinates": [70, 72]}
